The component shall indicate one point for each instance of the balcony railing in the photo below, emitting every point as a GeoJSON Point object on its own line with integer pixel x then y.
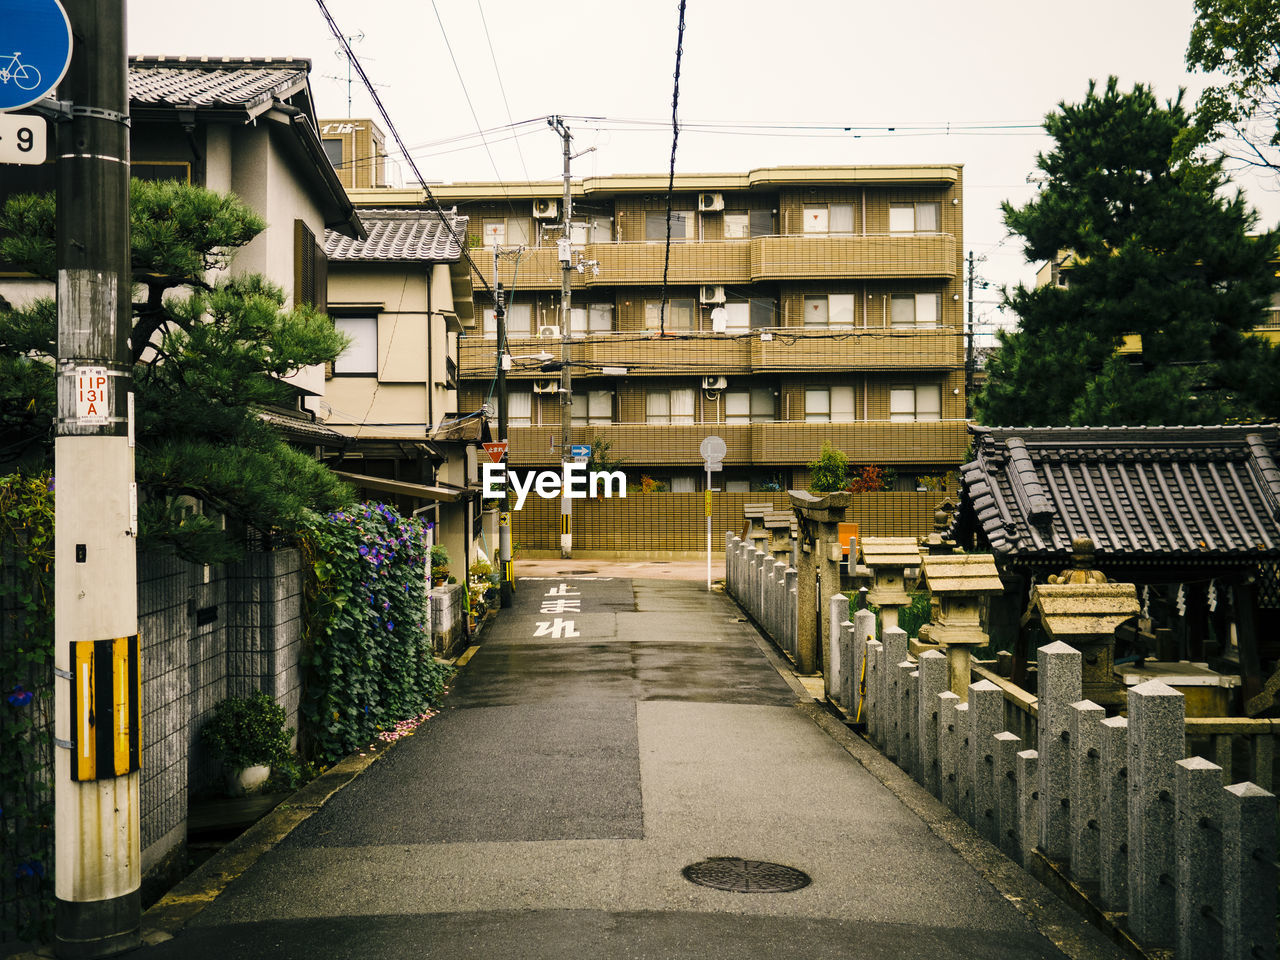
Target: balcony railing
{"type": "Point", "coordinates": [703, 353]}
{"type": "Point", "coordinates": [785, 257]}
{"type": "Point", "coordinates": [782, 442]}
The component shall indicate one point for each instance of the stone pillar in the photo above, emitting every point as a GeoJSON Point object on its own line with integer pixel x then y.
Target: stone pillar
{"type": "Point", "coordinates": [1086, 792]}
{"type": "Point", "coordinates": [1156, 740]}
{"type": "Point", "coordinates": [907, 729]}
{"type": "Point", "coordinates": [1113, 816]}
{"type": "Point", "coordinates": [1059, 687]}
{"type": "Point", "coordinates": [1028, 803]}
{"type": "Point", "coordinates": [875, 692]}
{"type": "Point", "coordinates": [1004, 787]}
{"type": "Point", "coordinates": [864, 629]}
{"type": "Point", "coordinates": [729, 548]}
{"type": "Point", "coordinates": [986, 719]}
{"type": "Point", "coordinates": [1198, 797]}
{"type": "Point", "coordinates": [1249, 872]}
{"type": "Point", "coordinates": [834, 666]}
{"type": "Point", "coordinates": [948, 750]}
{"type": "Point", "coordinates": [750, 572]}
{"type": "Point", "coordinates": [964, 778]}
{"type": "Point", "coordinates": [763, 569]}
{"type": "Point", "coordinates": [848, 657]}
{"type": "Point", "coordinates": [932, 666]}
{"type": "Point", "coordinates": [895, 651]}
{"type": "Point", "coordinates": [793, 602]}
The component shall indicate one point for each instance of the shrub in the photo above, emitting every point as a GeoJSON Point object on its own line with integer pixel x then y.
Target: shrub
{"type": "Point", "coordinates": [248, 731]}
{"type": "Point", "coordinates": [368, 661]}
{"type": "Point", "coordinates": [830, 472]}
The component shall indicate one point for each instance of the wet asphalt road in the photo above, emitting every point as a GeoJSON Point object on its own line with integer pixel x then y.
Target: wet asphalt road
{"type": "Point", "coordinates": [606, 734]}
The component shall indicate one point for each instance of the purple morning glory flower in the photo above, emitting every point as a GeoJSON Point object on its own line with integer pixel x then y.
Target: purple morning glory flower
{"type": "Point", "coordinates": [390, 625]}
{"type": "Point", "coordinates": [364, 551]}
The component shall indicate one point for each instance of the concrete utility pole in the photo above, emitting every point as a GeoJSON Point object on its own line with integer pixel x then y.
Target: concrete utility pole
{"type": "Point", "coordinates": [97, 685]}
{"type": "Point", "coordinates": [968, 344]}
{"type": "Point", "coordinates": [504, 511]}
{"type": "Point", "coordinates": [566, 378]}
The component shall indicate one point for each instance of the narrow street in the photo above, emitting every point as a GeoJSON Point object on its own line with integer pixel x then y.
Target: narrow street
{"type": "Point", "coordinates": [607, 734]}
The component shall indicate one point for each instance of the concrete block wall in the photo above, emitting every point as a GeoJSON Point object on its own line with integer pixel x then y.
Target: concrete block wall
{"type": "Point", "coordinates": [448, 619]}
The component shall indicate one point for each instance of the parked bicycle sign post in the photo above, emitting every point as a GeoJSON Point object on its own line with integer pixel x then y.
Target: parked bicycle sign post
{"type": "Point", "coordinates": [35, 51]}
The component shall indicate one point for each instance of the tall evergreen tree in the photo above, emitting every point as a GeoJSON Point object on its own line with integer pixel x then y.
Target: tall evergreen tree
{"type": "Point", "coordinates": [208, 355]}
{"type": "Point", "coordinates": [1159, 248]}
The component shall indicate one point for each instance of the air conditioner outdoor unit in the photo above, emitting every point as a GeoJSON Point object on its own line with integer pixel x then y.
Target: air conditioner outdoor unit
{"type": "Point", "coordinates": [549, 330]}
{"type": "Point", "coordinates": [545, 209]}
{"type": "Point", "coordinates": [714, 383]}
{"type": "Point", "coordinates": [711, 294]}
{"type": "Point", "coordinates": [708, 202]}
{"type": "Point", "coordinates": [546, 386]}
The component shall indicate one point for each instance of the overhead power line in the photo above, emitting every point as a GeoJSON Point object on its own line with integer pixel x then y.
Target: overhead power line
{"type": "Point", "coordinates": [391, 128]}
{"type": "Point", "coordinates": [671, 178]}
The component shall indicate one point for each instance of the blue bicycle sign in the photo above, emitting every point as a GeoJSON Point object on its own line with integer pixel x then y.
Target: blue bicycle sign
{"type": "Point", "coordinates": [35, 50]}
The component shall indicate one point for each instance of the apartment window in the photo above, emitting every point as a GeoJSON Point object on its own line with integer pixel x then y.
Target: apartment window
{"type": "Point", "coordinates": [506, 231]}
{"type": "Point", "coordinates": [681, 315]}
{"type": "Point", "coordinates": [669, 406]}
{"type": "Point", "coordinates": [828, 404]}
{"type": "Point", "coordinates": [920, 402]}
{"type": "Point", "coordinates": [593, 318]}
{"type": "Point", "coordinates": [749, 406]}
{"type": "Point", "coordinates": [913, 217]}
{"type": "Point", "coordinates": [828, 218]}
{"type": "Point", "coordinates": [592, 407]}
{"type": "Point", "coordinates": [737, 317]}
{"type": "Point", "coordinates": [741, 224]}
{"type": "Point", "coordinates": [600, 230]}
{"type": "Point", "coordinates": [918, 310]}
{"type": "Point", "coordinates": [519, 318]}
{"type": "Point", "coordinates": [655, 225]}
{"type": "Point", "coordinates": [520, 407]}
{"type": "Point", "coordinates": [763, 313]}
{"type": "Point", "coordinates": [361, 355]}
{"type": "Point", "coordinates": [830, 310]}
{"type": "Point", "coordinates": [333, 150]}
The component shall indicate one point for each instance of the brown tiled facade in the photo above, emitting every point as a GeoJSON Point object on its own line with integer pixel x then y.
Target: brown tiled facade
{"type": "Point", "coordinates": [827, 300]}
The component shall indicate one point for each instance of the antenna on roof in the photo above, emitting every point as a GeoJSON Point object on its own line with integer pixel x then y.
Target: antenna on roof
{"type": "Point", "coordinates": [342, 52]}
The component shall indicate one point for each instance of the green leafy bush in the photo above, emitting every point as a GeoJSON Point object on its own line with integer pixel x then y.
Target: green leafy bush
{"type": "Point", "coordinates": [26, 679]}
{"type": "Point", "coordinates": [830, 472]}
{"type": "Point", "coordinates": [247, 731]}
{"type": "Point", "coordinates": [367, 659]}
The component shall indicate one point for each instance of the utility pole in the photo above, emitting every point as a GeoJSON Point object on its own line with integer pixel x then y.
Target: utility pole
{"type": "Point", "coordinates": [968, 345]}
{"type": "Point", "coordinates": [97, 673]}
{"type": "Point", "coordinates": [566, 378]}
{"type": "Point", "coordinates": [504, 511]}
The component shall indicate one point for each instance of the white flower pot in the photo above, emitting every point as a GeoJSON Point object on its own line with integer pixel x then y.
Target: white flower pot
{"type": "Point", "coordinates": [247, 780]}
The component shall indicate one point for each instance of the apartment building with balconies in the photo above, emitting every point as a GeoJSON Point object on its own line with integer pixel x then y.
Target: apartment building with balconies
{"type": "Point", "coordinates": [802, 304]}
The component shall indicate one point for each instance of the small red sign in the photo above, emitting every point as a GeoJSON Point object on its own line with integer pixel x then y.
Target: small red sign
{"type": "Point", "coordinates": [496, 450]}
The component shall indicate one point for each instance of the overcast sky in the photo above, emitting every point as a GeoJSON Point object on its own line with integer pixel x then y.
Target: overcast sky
{"type": "Point", "coordinates": [915, 66]}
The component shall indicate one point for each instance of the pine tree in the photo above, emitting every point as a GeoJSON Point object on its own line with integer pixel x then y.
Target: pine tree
{"type": "Point", "coordinates": [1159, 249]}
{"type": "Point", "coordinates": [207, 358]}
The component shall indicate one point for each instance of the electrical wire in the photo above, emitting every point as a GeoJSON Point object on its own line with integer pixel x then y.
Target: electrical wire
{"type": "Point", "coordinates": [445, 220]}
{"type": "Point", "coordinates": [501, 86]}
{"type": "Point", "coordinates": [671, 178]}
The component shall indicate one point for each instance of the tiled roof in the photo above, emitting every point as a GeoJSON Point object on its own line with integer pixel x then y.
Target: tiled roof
{"type": "Point", "coordinates": [1138, 493]}
{"type": "Point", "coordinates": [400, 236]}
{"type": "Point", "coordinates": [214, 82]}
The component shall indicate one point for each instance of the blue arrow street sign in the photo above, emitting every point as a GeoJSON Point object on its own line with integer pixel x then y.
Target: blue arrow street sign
{"type": "Point", "coordinates": [580, 451]}
{"type": "Point", "coordinates": [35, 50]}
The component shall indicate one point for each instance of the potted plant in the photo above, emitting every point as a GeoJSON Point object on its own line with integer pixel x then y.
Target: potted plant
{"type": "Point", "coordinates": [439, 565]}
{"type": "Point", "coordinates": [248, 734]}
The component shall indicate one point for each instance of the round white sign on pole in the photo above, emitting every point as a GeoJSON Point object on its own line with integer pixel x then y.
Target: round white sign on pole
{"type": "Point", "coordinates": [713, 449]}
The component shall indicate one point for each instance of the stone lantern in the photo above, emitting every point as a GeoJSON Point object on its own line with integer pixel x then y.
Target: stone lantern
{"type": "Point", "coordinates": [887, 557]}
{"type": "Point", "coordinates": [959, 582]}
{"type": "Point", "coordinates": [1081, 608]}
{"type": "Point", "coordinates": [938, 543]}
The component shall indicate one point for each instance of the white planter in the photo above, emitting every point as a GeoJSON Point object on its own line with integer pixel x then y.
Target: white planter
{"type": "Point", "coordinates": [248, 780]}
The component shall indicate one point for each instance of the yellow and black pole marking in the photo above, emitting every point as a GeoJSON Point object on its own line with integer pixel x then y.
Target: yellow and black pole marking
{"type": "Point", "coordinates": [566, 524]}
{"type": "Point", "coordinates": [106, 708]}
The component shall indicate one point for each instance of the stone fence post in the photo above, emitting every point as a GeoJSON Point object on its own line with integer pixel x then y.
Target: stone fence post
{"type": "Point", "coordinates": [986, 719]}
{"type": "Point", "coordinates": [833, 670]}
{"type": "Point", "coordinates": [1059, 686]}
{"type": "Point", "coordinates": [1156, 740]}
{"type": "Point", "coordinates": [1113, 818]}
{"type": "Point", "coordinates": [1004, 780]}
{"type": "Point", "coordinates": [864, 630]}
{"type": "Point", "coordinates": [1249, 872]}
{"type": "Point", "coordinates": [1198, 795]}
{"type": "Point", "coordinates": [1086, 795]}
{"type": "Point", "coordinates": [932, 667]}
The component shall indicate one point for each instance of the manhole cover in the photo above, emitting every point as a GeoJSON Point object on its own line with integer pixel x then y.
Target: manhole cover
{"type": "Point", "coordinates": [745, 876]}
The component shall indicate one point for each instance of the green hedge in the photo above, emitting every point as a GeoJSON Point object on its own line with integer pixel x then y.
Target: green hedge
{"type": "Point", "coordinates": [368, 660]}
